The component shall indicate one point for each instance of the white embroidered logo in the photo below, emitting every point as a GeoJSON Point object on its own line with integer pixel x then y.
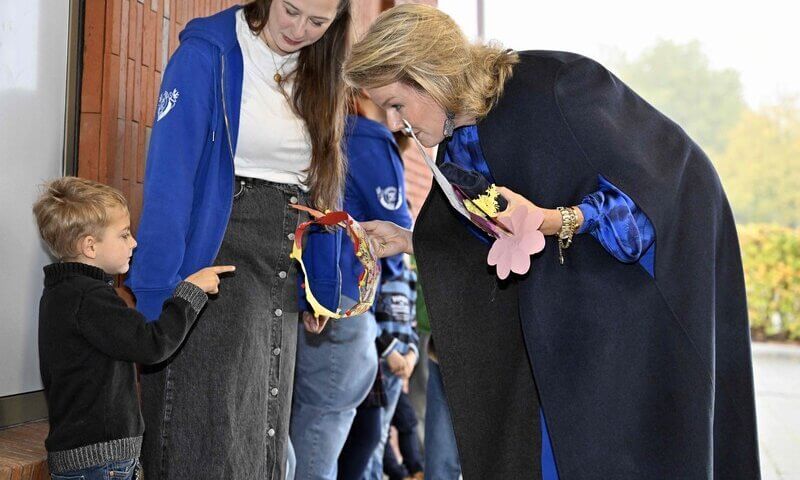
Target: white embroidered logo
{"type": "Point", "coordinates": [166, 102]}
{"type": "Point", "coordinates": [389, 197]}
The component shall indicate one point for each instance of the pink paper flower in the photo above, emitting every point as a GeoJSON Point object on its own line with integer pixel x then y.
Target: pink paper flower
{"type": "Point", "coordinates": [513, 253]}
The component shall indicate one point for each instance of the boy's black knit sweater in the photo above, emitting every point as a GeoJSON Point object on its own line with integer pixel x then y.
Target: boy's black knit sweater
{"type": "Point", "coordinates": [88, 341]}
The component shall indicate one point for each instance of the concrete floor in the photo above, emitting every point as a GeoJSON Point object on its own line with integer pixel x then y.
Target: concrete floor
{"type": "Point", "coordinates": [777, 379]}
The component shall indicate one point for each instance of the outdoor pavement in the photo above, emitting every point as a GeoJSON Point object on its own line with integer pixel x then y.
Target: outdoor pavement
{"type": "Point", "coordinates": [777, 379]}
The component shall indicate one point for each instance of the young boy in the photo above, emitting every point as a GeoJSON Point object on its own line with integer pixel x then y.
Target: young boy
{"type": "Point", "coordinates": [89, 338]}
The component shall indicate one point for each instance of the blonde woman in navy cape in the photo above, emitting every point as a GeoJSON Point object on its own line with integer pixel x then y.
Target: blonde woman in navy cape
{"type": "Point", "coordinates": [631, 360]}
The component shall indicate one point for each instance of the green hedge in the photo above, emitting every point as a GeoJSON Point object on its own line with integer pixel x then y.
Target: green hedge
{"type": "Point", "coordinates": [771, 257]}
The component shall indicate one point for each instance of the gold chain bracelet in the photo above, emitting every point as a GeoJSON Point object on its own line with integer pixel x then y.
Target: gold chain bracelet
{"type": "Point", "coordinates": [569, 225]}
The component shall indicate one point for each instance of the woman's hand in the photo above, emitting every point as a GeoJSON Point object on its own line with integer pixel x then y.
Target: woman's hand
{"type": "Point", "coordinates": [552, 218]}
{"type": "Point", "coordinates": [388, 238]}
{"type": "Point", "coordinates": [314, 324]}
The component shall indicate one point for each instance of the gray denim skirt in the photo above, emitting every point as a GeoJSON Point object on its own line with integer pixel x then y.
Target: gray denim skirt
{"type": "Point", "coordinates": [219, 408]}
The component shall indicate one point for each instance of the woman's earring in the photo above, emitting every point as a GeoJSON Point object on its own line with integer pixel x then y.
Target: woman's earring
{"type": "Point", "coordinates": [449, 124]}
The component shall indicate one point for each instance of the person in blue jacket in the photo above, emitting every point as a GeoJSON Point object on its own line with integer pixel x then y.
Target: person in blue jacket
{"type": "Point", "coordinates": [337, 359]}
{"type": "Point", "coordinates": [249, 122]}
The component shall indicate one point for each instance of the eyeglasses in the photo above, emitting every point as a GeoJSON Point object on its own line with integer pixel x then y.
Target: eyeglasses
{"type": "Point", "coordinates": [367, 281]}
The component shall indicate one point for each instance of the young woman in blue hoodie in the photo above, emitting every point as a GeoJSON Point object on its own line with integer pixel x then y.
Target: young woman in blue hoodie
{"type": "Point", "coordinates": [249, 121]}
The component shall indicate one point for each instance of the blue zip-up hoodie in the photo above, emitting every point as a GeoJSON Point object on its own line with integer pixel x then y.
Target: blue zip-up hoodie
{"type": "Point", "coordinates": [188, 188]}
{"type": "Point", "coordinates": [375, 190]}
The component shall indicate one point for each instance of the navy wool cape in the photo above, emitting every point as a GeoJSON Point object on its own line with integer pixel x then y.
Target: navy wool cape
{"type": "Point", "coordinates": [639, 377]}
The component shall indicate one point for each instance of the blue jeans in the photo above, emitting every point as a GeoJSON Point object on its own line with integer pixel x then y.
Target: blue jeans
{"type": "Point", "coordinates": [334, 372]}
{"type": "Point", "coordinates": [441, 453]}
{"type": "Point", "coordinates": [393, 386]}
{"type": "Point", "coordinates": [361, 443]}
{"type": "Point", "coordinates": [122, 470]}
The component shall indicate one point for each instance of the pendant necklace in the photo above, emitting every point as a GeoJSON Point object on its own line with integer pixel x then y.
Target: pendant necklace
{"type": "Point", "coordinates": [277, 77]}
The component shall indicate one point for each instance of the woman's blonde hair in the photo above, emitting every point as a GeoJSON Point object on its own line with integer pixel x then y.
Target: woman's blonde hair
{"type": "Point", "coordinates": [422, 47]}
{"type": "Point", "coordinates": [71, 208]}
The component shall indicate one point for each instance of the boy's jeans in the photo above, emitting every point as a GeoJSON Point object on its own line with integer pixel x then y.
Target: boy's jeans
{"type": "Point", "coordinates": [441, 453]}
{"type": "Point", "coordinates": [393, 386]}
{"type": "Point", "coordinates": [335, 370]}
{"type": "Point", "coordinates": [122, 470]}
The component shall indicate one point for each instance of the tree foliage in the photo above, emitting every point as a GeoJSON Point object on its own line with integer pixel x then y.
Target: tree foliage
{"type": "Point", "coordinates": [760, 166]}
{"type": "Point", "coordinates": [679, 81]}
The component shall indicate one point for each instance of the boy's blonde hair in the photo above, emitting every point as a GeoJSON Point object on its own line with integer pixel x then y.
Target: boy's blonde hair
{"type": "Point", "coordinates": [71, 208]}
{"type": "Point", "coordinates": [422, 47]}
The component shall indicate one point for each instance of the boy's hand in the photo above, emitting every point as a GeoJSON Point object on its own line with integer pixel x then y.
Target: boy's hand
{"type": "Point", "coordinates": [397, 363]}
{"type": "Point", "coordinates": [208, 278]}
{"type": "Point", "coordinates": [314, 324]}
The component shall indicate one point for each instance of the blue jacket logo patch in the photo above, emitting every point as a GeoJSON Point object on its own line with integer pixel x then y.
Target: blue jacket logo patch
{"type": "Point", "coordinates": [166, 102]}
{"type": "Point", "coordinates": [389, 197]}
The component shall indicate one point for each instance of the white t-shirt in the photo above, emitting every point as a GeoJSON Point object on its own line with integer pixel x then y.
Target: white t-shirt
{"type": "Point", "coordinates": [273, 141]}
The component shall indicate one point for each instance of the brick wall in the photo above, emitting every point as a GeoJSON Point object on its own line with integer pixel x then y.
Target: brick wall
{"type": "Point", "coordinates": [126, 46]}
